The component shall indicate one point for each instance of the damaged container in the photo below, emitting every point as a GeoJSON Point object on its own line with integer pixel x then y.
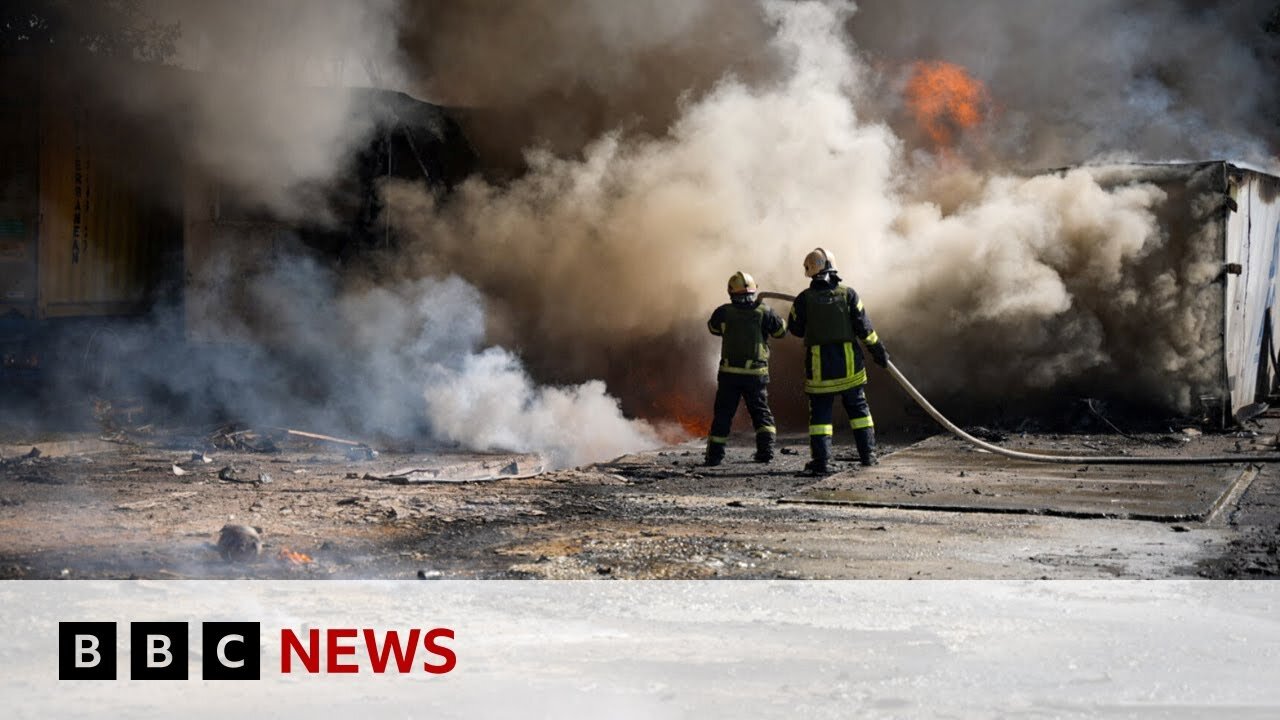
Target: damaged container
{"type": "Point", "coordinates": [1214, 276]}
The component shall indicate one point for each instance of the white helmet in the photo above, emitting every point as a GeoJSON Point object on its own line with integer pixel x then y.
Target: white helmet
{"type": "Point", "coordinates": [818, 261]}
{"type": "Point", "coordinates": [742, 284]}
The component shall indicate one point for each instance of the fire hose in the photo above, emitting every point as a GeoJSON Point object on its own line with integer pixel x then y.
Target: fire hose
{"type": "Point", "coordinates": [1038, 457]}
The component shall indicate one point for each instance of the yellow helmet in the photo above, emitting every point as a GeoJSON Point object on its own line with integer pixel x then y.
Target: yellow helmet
{"type": "Point", "coordinates": [742, 284]}
{"type": "Point", "coordinates": [818, 261]}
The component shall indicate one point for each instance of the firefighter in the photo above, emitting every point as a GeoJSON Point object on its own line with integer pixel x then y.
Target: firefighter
{"type": "Point", "coordinates": [831, 319]}
{"type": "Point", "coordinates": [744, 325]}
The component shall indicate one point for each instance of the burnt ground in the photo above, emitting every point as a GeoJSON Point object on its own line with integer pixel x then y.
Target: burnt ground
{"type": "Point", "coordinates": [92, 508]}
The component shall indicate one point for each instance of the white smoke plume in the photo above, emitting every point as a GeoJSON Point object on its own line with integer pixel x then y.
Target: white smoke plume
{"type": "Point", "coordinates": [987, 284]}
{"type": "Point", "coordinates": [662, 146]}
{"type": "Point", "coordinates": [267, 105]}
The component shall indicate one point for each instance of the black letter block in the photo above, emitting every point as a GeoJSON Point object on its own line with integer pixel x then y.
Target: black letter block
{"type": "Point", "coordinates": [86, 651]}
{"type": "Point", "coordinates": [232, 651]}
{"type": "Point", "coordinates": [159, 651]}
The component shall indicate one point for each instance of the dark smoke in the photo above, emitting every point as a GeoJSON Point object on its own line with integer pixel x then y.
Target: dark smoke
{"type": "Point", "coordinates": [638, 153]}
{"type": "Point", "coordinates": [1101, 79]}
{"type": "Point", "coordinates": [560, 73]}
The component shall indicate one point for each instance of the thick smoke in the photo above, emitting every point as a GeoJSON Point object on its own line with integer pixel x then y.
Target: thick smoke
{"type": "Point", "coordinates": [664, 145]}
{"type": "Point", "coordinates": [403, 360]}
{"type": "Point", "coordinates": [266, 108]}
{"type": "Point", "coordinates": [987, 283]}
{"type": "Point", "coordinates": [269, 110]}
{"type": "Point", "coordinates": [560, 73]}
{"type": "Point", "coordinates": [1122, 79]}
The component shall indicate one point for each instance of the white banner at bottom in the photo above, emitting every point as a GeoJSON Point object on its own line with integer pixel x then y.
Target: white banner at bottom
{"type": "Point", "coordinates": [733, 649]}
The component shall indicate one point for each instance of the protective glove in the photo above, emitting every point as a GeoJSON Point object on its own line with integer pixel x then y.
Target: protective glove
{"type": "Point", "coordinates": [879, 354]}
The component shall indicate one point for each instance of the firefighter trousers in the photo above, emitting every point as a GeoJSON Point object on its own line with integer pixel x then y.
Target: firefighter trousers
{"type": "Point", "coordinates": [822, 424]}
{"type": "Point", "coordinates": [822, 410]}
{"type": "Point", "coordinates": [751, 389]}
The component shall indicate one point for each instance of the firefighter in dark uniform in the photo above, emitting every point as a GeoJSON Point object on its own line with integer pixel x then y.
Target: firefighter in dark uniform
{"type": "Point", "coordinates": [831, 319]}
{"type": "Point", "coordinates": [744, 326]}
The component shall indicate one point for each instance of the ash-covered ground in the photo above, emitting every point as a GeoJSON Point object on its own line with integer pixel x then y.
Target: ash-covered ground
{"type": "Point", "coordinates": [151, 505]}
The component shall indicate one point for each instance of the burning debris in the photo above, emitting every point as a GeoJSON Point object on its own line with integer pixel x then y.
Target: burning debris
{"type": "Point", "coordinates": [293, 558]}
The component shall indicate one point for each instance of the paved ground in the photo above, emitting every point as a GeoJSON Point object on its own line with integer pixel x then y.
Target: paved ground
{"type": "Point", "coordinates": [124, 512]}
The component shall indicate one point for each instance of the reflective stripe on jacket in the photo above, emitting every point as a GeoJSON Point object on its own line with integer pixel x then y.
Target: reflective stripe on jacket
{"type": "Point", "coordinates": [830, 318]}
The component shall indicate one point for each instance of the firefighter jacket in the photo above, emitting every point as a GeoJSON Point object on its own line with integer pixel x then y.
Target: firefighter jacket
{"type": "Point", "coordinates": [830, 317]}
{"type": "Point", "coordinates": [744, 336]}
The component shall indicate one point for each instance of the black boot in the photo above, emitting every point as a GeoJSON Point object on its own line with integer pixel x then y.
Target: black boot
{"type": "Point", "coordinates": [820, 449]}
{"type": "Point", "coordinates": [764, 447]}
{"type": "Point", "coordinates": [715, 454]}
{"type": "Point", "coordinates": [866, 440]}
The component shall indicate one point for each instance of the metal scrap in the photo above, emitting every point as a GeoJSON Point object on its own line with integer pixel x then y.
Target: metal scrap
{"type": "Point", "coordinates": [249, 440]}
{"type": "Point", "coordinates": [358, 451]}
{"type": "Point", "coordinates": [462, 473]}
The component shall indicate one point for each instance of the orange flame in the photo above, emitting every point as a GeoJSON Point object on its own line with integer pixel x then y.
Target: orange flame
{"type": "Point", "coordinates": [694, 419]}
{"type": "Point", "coordinates": [946, 100]}
{"type": "Point", "coordinates": [295, 558]}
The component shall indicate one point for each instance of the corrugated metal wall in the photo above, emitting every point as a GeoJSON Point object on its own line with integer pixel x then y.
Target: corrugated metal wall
{"type": "Point", "coordinates": [106, 237]}
{"type": "Point", "coordinates": [1253, 241]}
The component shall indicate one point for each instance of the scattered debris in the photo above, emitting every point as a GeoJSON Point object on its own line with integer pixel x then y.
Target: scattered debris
{"type": "Point", "coordinates": [117, 419]}
{"type": "Point", "coordinates": [179, 471]}
{"type": "Point", "coordinates": [1251, 412]}
{"type": "Point", "coordinates": [984, 433]}
{"type": "Point", "coordinates": [519, 468]}
{"type": "Point", "coordinates": [356, 454]}
{"type": "Point", "coordinates": [239, 543]}
{"type": "Point", "coordinates": [242, 440]}
{"type": "Point", "coordinates": [153, 502]}
{"type": "Point", "coordinates": [357, 451]}
{"type": "Point", "coordinates": [430, 574]}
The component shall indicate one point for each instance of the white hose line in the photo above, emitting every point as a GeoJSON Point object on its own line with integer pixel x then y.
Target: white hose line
{"type": "Point", "coordinates": [1065, 459]}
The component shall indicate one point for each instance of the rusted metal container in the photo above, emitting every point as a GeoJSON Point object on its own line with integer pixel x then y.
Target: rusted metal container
{"type": "Point", "coordinates": [110, 224]}
{"type": "Point", "coordinates": [90, 223]}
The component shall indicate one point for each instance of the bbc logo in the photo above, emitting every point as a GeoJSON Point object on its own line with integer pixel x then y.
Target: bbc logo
{"type": "Point", "coordinates": [230, 651]}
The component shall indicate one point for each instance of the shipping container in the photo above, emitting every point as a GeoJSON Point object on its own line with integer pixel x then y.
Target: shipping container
{"type": "Point", "coordinates": [1214, 271]}
{"type": "Point", "coordinates": [102, 218]}
{"type": "Point", "coordinates": [90, 218]}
